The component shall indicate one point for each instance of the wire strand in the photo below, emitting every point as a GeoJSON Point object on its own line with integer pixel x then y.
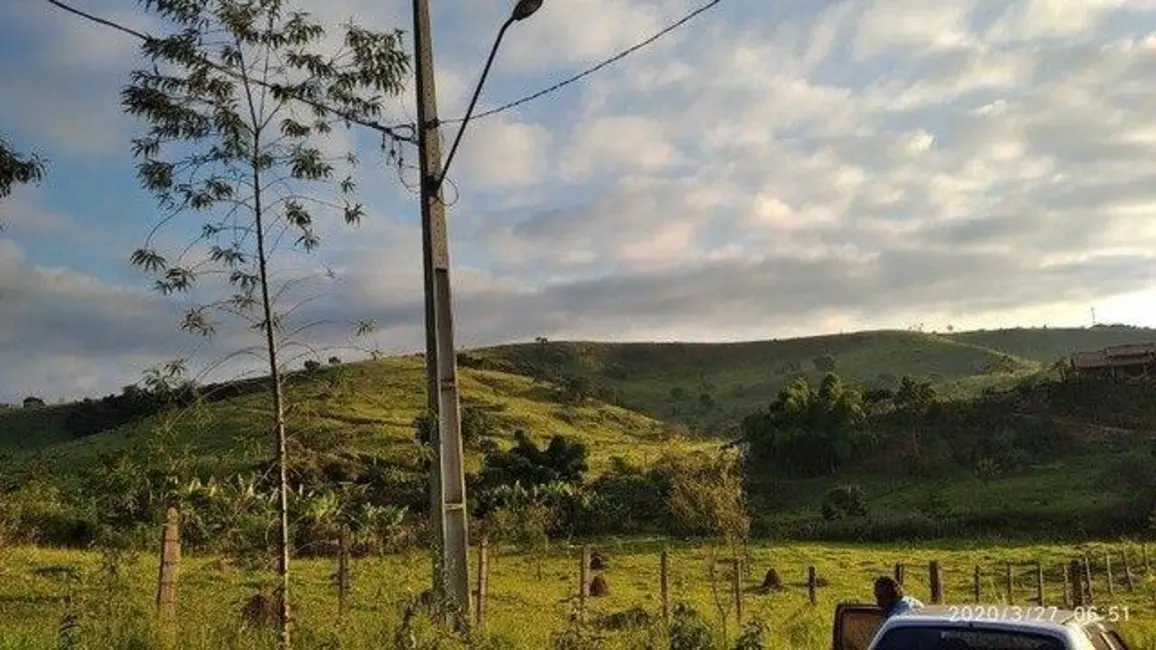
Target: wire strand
{"type": "Point", "coordinates": [390, 131]}
{"type": "Point", "coordinates": [589, 71]}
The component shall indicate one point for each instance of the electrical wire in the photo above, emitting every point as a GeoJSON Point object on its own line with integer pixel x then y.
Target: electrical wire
{"type": "Point", "coordinates": [589, 71]}
{"type": "Point", "coordinates": [388, 131]}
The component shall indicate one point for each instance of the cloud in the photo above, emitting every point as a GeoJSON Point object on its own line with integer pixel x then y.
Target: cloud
{"type": "Point", "coordinates": [824, 167]}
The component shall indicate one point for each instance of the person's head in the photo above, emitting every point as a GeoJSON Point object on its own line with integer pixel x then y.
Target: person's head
{"type": "Point", "coordinates": [887, 591]}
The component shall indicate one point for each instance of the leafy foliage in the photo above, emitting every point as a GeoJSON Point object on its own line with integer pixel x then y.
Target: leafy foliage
{"type": "Point", "coordinates": [844, 501]}
{"type": "Point", "coordinates": [17, 168]}
{"type": "Point", "coordinates": [807, 432]}
{"type": "Point", "coordinates": [706, 495]}
{"type": "Point", "coordinates": [563, 460]}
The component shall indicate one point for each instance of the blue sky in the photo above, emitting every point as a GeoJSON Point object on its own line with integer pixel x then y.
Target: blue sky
{"type": "Point", "coordinates": [769, 170]}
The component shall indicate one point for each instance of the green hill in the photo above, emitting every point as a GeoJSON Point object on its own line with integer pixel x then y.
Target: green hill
{"type": "Point", "coordinates": [670, 380]}
{"type": "Point", "coordinates": [639, 400]}
{"type": "Point", "coordinates": [365, 408]}
{"type": "Point", "coordinates": [706, 385]}
{"type": "Point", "coordinates": [1046, 345]}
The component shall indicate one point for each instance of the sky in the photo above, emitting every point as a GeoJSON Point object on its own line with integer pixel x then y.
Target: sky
{"type": "Point", "coordinates": [767, 170]}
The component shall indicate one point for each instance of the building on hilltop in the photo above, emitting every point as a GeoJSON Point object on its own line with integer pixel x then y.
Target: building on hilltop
{"type": "Point", "coordinates": [1137, 360]}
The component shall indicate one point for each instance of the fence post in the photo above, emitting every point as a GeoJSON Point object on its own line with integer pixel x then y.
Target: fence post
{"type": "Point", "coordinates": [1068, 600]}
{"type": "Point", "coordinates": [1144, 552]}
{"type": "Point", "coordinates": [1087, 579]}
{"type": "Point", "coordinates": [1087, 582]}
{"type": "Point", "coordinates": [343, 573]}
{"type": "Point", "coordinates": [1039, 583]}
{"type": "Point", "coordinates": [1008, 581]}
{"type": "Point", "coordinates": [584, 579]}
{"type": "Point", "coordinates": [737, 587]}
{"type": "Point", "coordinates": [1078, 588]}
{"type": "Point", "coordinates": [1130, 580]}
{"type": "Point", "coordinates": [166, 601]}
{"type": "Point", "coordinates": [936, 580]}
{"type": "Point", "coordinates": [1108, 574]}
{"type": "Point", "coordinates": [664, 586]}
{"type": "Point", "coordinates": [483, 580]}
{"type": "Point", "coordinates": [977, 586]}
{"type": "Point", "coordinates": [812, 583]}
{"type": "Point", "coordinates": [900, 570]}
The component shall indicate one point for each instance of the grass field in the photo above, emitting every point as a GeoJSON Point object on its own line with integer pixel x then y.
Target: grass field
{"type": "Point", "coordinates": [525, 612]}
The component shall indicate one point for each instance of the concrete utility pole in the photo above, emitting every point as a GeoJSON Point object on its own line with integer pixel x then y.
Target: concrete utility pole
{"type": "Point", "coordinates": [447, 476]}
{"type": "Point", "coordinates": [447, 479]}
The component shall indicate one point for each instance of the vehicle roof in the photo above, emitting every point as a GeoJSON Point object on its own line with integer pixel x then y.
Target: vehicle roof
{"type": "Point", "coordinates": [1053, 619]}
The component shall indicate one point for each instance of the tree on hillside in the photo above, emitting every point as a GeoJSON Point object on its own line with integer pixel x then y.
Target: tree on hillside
{"type": "Point", "coordinates": [562, 461]}
{"type": "Point", "coordinates": [17, 168]}
{"type": "Point", "coordinates": [239, 101]}
{"type": "Point", "coordinates": [809, 432]}
{"type": "Point", "coordinates": [915, 396]}
{"type": "Point", "coordinates": [825, 363]}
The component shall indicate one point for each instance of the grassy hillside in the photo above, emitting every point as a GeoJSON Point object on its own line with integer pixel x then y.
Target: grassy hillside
{"type": "Point", "coordinates": [636, 394]}
{"type": "Point", "coordinates": [668, 380]}
{"type": "Point", "coordinates": [1048, 345]}
{"type": "Point", "coordinates": [361, 408]}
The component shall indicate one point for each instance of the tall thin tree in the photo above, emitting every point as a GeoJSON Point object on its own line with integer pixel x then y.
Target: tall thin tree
{"type": "Point", "coordinates": [239, 100]}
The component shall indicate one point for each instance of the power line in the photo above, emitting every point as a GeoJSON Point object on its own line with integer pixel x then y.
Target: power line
{"type": "Point", "coordinates": [393, 132]}
{"type": "Point", "coordinates": [589, 71]}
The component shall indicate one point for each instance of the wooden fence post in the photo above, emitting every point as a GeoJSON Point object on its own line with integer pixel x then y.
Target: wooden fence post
{"type": "Point", "coordinates": [1144, 553]}
{"type": "Point", "coordinates": [936, 580]}
{"type": "Point", "coordinates": [483, 580]}
{"type": "Point", "coordinates": [1108, 574]}
{"type": "Point", "coordinates": [977, 586]}
{"type": "Point", "coordinates": [343, 573]}
{"type": "Point", "coordinates": [1008, 581]}
{"type": "Point", "coordinates": [812, 583]}
{"type": "Point", "coordinates": [1068, 600]}
{"type": "Point", "coordinates": [1128, 578]}
{"type": "Point", "coordinates": [737, 588]}
{"type": "Point", "coordinates": [166, 600]}
{"type": "Point", "coordinates": [664, 586]}
{"type": "Point", "coordinates": [900, 570]}
{"type": "Point", "coordinates": [584, 579]}
{"type": "Point", "coordinates": [1076, 572]}
{"type": "Point", "coordinates": [1087, 579]}
{"type": "Point", "coordinates": [1039, 583]}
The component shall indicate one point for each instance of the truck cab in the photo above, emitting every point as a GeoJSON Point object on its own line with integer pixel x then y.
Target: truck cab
{"type": "Point", "coordinates": [972, 627]}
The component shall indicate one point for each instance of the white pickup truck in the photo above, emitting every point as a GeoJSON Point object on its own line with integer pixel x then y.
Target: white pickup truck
{"type": "Point", "coordinates": [977, 627]}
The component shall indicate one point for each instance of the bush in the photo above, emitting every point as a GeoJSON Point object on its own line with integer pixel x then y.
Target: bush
{"type": "Point", "coordinates": [844, 501]}
{"type": "Point", "coordinates": [563, 460]}
{"type": "Point", "coordinates": [689, 630]}
{"type": "Point", "coordinates": [706, 495]}
{"type": "Point", "coordinates": [825, 363]}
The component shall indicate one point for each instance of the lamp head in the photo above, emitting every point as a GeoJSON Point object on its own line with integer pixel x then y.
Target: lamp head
{"type": "Point", "coordinates": [526, 8]}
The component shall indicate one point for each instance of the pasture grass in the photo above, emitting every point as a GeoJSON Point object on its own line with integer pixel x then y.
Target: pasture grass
{"type": "Point", "coordinates": [525, 611]}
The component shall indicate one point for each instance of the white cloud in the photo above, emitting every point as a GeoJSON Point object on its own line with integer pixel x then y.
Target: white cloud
{"type": "Point", "coordinates": [1035, 19]}
{"type": "Point", "coordinates": [500, 153]}
{"type": "Point", "coordinates": [862, 164]}
{"type": "Point", "coordinates": [913, 26]}
{"type": "Point", "coordinates": [617, 143]}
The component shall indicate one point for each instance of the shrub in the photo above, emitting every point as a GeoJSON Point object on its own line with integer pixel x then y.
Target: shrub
{"type": "Point", "coordinates": [825, 363]}
{"type": "Point", "coordinates": [706, 495]}
{"type": "Point", "coordinates": [689, 630]}
{"type": "Point", "coordinates": [844, 501]}
{"type": "Point", "coordinates": [563, 460]}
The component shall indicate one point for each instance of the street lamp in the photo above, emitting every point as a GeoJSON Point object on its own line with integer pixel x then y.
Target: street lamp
{"type": "Point", "coordinates": [448, 513]}
{"type": "Point", "coordinates": [523, 10]}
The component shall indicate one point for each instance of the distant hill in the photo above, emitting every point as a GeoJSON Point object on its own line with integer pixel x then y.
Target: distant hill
{"type": "Point", "coordinates": [1046, 345]}
{"type": "Point", "coordinates": [633, 392]}
{"type": "Point", "coordinates": [669, 380]}
{"type": "Point", "coordinates": [639, 400]}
